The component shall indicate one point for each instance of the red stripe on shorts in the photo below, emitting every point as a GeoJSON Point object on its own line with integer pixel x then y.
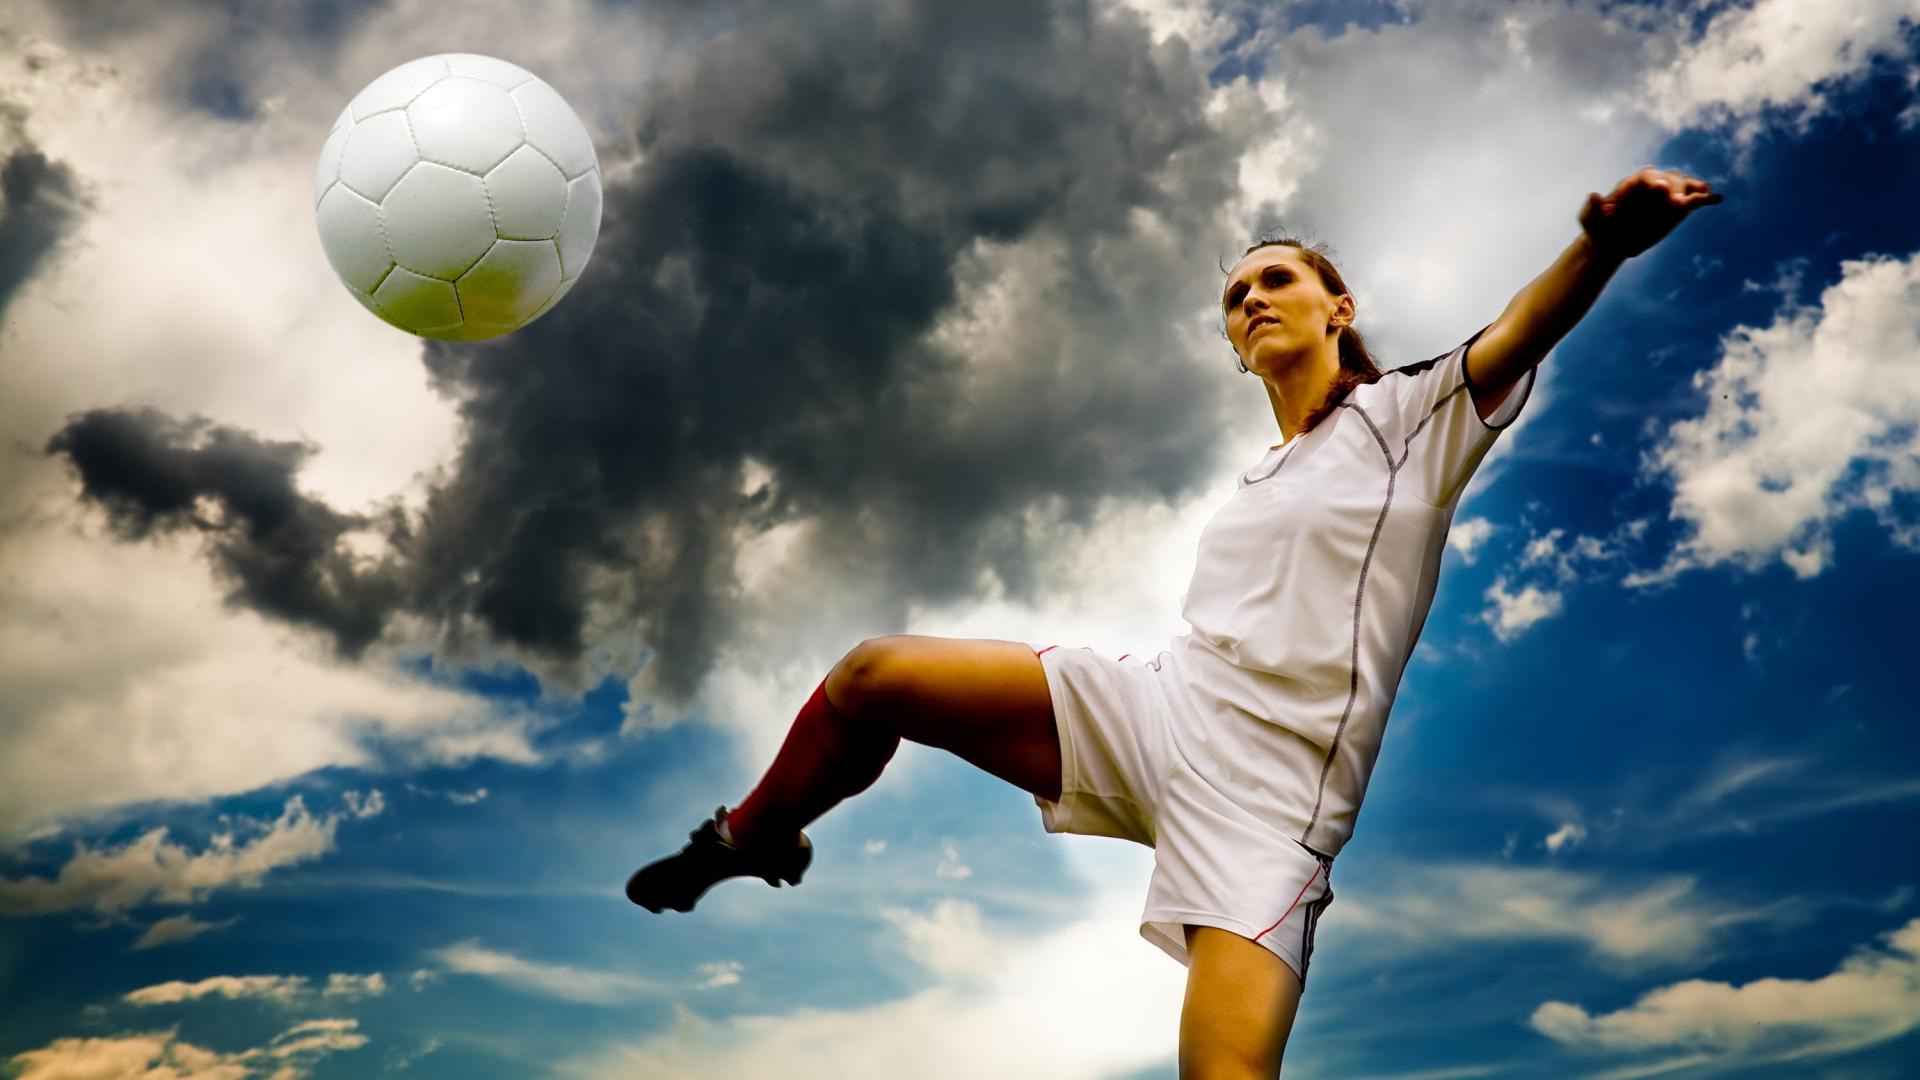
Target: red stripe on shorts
{"type": "Point", "coordinates": [1290, 907]}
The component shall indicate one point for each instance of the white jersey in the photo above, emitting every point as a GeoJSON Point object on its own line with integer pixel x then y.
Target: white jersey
{"type": "Point", "coordinates": [1310, 589]}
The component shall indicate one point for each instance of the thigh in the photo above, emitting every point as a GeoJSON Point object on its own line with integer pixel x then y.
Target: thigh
{"type": "Point", "coordinates": [1239, 1010]}
{"type": "Point", "coordinates": [983, 700]}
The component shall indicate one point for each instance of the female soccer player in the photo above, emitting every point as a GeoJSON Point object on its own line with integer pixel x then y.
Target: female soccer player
{"type": "Point", "coordinates": [1239, 754]}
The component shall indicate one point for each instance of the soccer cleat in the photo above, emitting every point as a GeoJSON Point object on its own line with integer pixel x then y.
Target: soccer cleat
{"type": "Point", "coordinates": [678, 881]}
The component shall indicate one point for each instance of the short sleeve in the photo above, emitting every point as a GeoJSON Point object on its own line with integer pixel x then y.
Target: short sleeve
{"type": "Point", "coordinates": [1444, 437]}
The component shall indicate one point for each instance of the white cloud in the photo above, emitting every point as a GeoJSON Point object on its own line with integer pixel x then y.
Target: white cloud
{"type": "Point", "coordinates": [951, 941]}
{"type": "Point", "coordinates": [149, 869]}
{"type": "Point", "coordinates": [178, 928]}
{"type": "Point", "coordinates": [1807, 420]}
{"type": "Point", "coordinates": [1872, 997]}
{"type": "Point", "coordinates": [1623, 922]}
{"type": "Point", "coordinates": [167, 659]}
{"type": "Point", "coordinates": [1558, 568]}
{"type": "Point", "coordinates": [1085, 1000]}
{"type": "Point", "coordinates": [1513, 612]}
{"type": "Point", "coordinates": [1201, 23]}
{"type": "Point", "coordinates": [291, 1055]}
{"type": "Point", "coordinates": [200, 299]}
{"type": "Point", "coordinates": [719, 973]}
{"type": "Point", "coordinates": [1467, 537]}
{"type": "Point", "coordinates": [1783, 55]}
{"type": "Point", "coordinates": [562, 981]}
{"type": "Point", "coordinates": [282, 988]}
{"type": "Point", "coordinates": [354, 986]}
{"type": "Point", "coordinates": [950, 865]}
{"type": "Point", "coordinates": [1567, 836]}
{"type": "Point", "coordinates": [365, 806]}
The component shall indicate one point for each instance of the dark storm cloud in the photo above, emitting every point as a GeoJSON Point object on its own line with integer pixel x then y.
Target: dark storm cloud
{"type": "Point", "coordinates": [762, 290]}
{"type": "Point", "coordinates": [281, 549]}
{"type": "Point", "coordinates": [220, 71]}
{"type": "Point", "coordinates": [40, 200]}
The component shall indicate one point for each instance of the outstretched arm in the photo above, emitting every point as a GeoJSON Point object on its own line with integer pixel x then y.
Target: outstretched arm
{"type": "Point", "coordinates": [1641, 211]}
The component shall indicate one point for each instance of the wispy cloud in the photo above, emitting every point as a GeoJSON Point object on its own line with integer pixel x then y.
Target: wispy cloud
{"type": "Point", "coordinates": [178, 928]}
{"type": "Point", "coordinates": [285, 989]}
{"type": "Point", "coordinates": [1743, 790]}
{"type": "Point", "coordinates": [1623, 921]}
{"type": "Point", "coordinates": [1872, 997]}
{"type": "Point", "coordinates": [231, 987]}
{"type": "Point", "coordinates": [291, 1055]}
{"type": "Point", "coordinates": [149, 868]}
{"type": "Point", "coordinates": [563, 981]}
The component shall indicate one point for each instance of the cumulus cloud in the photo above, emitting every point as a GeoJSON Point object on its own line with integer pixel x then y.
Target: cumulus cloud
{"type": "Point", "coordinates": [150, 869]}
{"type": "Point", "coordinates": [1539, 582]}
{"type": "Point", "coordinates": [1512, 612]}
{"type": "Point", "coordinates": [291, 1055]}
{"type": "Point", "coordinates": [1775, 57]}
{"type": "Point", "coordinates": [1807, 420]}
{"type": "Point", "coordinates": [1468, 536]}
{"type": "Point", "coordinates": [165, 656]}
{"type": "Point", "coordinates": [1873, 997]}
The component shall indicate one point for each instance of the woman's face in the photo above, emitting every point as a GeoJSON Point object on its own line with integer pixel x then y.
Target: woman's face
{"type": "Point", "coordinates": [1277, 289]}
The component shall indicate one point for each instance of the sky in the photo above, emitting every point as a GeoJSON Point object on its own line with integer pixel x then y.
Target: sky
{"type": "Point", "coordinates": [345, 676]}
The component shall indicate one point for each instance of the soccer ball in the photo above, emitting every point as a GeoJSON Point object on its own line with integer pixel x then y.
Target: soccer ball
{"type": "Point", "coordinates": [458, 197]}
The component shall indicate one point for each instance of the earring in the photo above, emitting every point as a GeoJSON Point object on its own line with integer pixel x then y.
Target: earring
{"type": "Point", "coordinates": [1243, 366]}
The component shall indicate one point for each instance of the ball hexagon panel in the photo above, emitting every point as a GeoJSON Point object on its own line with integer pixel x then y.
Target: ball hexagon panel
{"type": "Point", "coordinates": [379, 151]}
{"type": "Point", "coordinates": [498, 72]}
{"type": "Point", "coordinates": [350, 235]}
{"type": "Point", "coordinates": [528, 196]}
{"type": "Point", "coordinates": [581, 227]}
{"type": "Point", "coordinates": [397, 87]}
{"type": "Point", "coordinates": [510, 282]}
{"type": "Point", "coordinates": [554, 128]}
{"type": "Point", "coordinates": [409, 300]}
{"type": "Point", "coordinates": [437, 221]}
{"type": "Point", "coordinates": [329, 168]}
{"type": "Point", "coordinates": [466, 123]}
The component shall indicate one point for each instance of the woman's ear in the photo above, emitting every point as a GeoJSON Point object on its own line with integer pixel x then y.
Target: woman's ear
{"type": "Point", "coordinates": [1342, 313]}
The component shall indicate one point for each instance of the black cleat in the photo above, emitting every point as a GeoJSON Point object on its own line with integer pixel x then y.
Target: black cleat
{"type": "Point", "coordinates": [677, 881]}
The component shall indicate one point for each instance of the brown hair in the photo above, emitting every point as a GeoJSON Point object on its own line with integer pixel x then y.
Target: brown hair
{"type": "Point", "coordinates": [1356, 363]}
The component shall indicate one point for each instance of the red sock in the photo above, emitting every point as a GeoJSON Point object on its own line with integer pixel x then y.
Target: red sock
{"type": "Point", "coordinates": [825, 759]}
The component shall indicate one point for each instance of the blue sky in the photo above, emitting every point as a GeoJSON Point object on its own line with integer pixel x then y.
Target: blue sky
{"type": "Point", "coordinates": [1645, 804]}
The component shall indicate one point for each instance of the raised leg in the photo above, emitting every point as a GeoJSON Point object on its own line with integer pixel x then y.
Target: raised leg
{"type": "Point", "coordinates": [986, 701]}
{"type": "Point", "coordinates": [981, 699]}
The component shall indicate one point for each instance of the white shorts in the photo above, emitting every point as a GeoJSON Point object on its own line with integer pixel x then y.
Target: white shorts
{"type": "Point", "coordinates": [1215, 864]}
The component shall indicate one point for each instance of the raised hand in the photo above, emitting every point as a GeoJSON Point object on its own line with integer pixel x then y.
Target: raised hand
{"type": "Point", "coordinates": [1643, 209]}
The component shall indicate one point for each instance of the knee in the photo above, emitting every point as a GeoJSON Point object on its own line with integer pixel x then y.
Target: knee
{"type": "Point", "coordinates": [868, 674]}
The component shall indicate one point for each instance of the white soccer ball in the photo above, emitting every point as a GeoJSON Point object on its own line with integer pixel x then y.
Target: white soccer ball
{"type": "Point", "coordinates": [458, 197]}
